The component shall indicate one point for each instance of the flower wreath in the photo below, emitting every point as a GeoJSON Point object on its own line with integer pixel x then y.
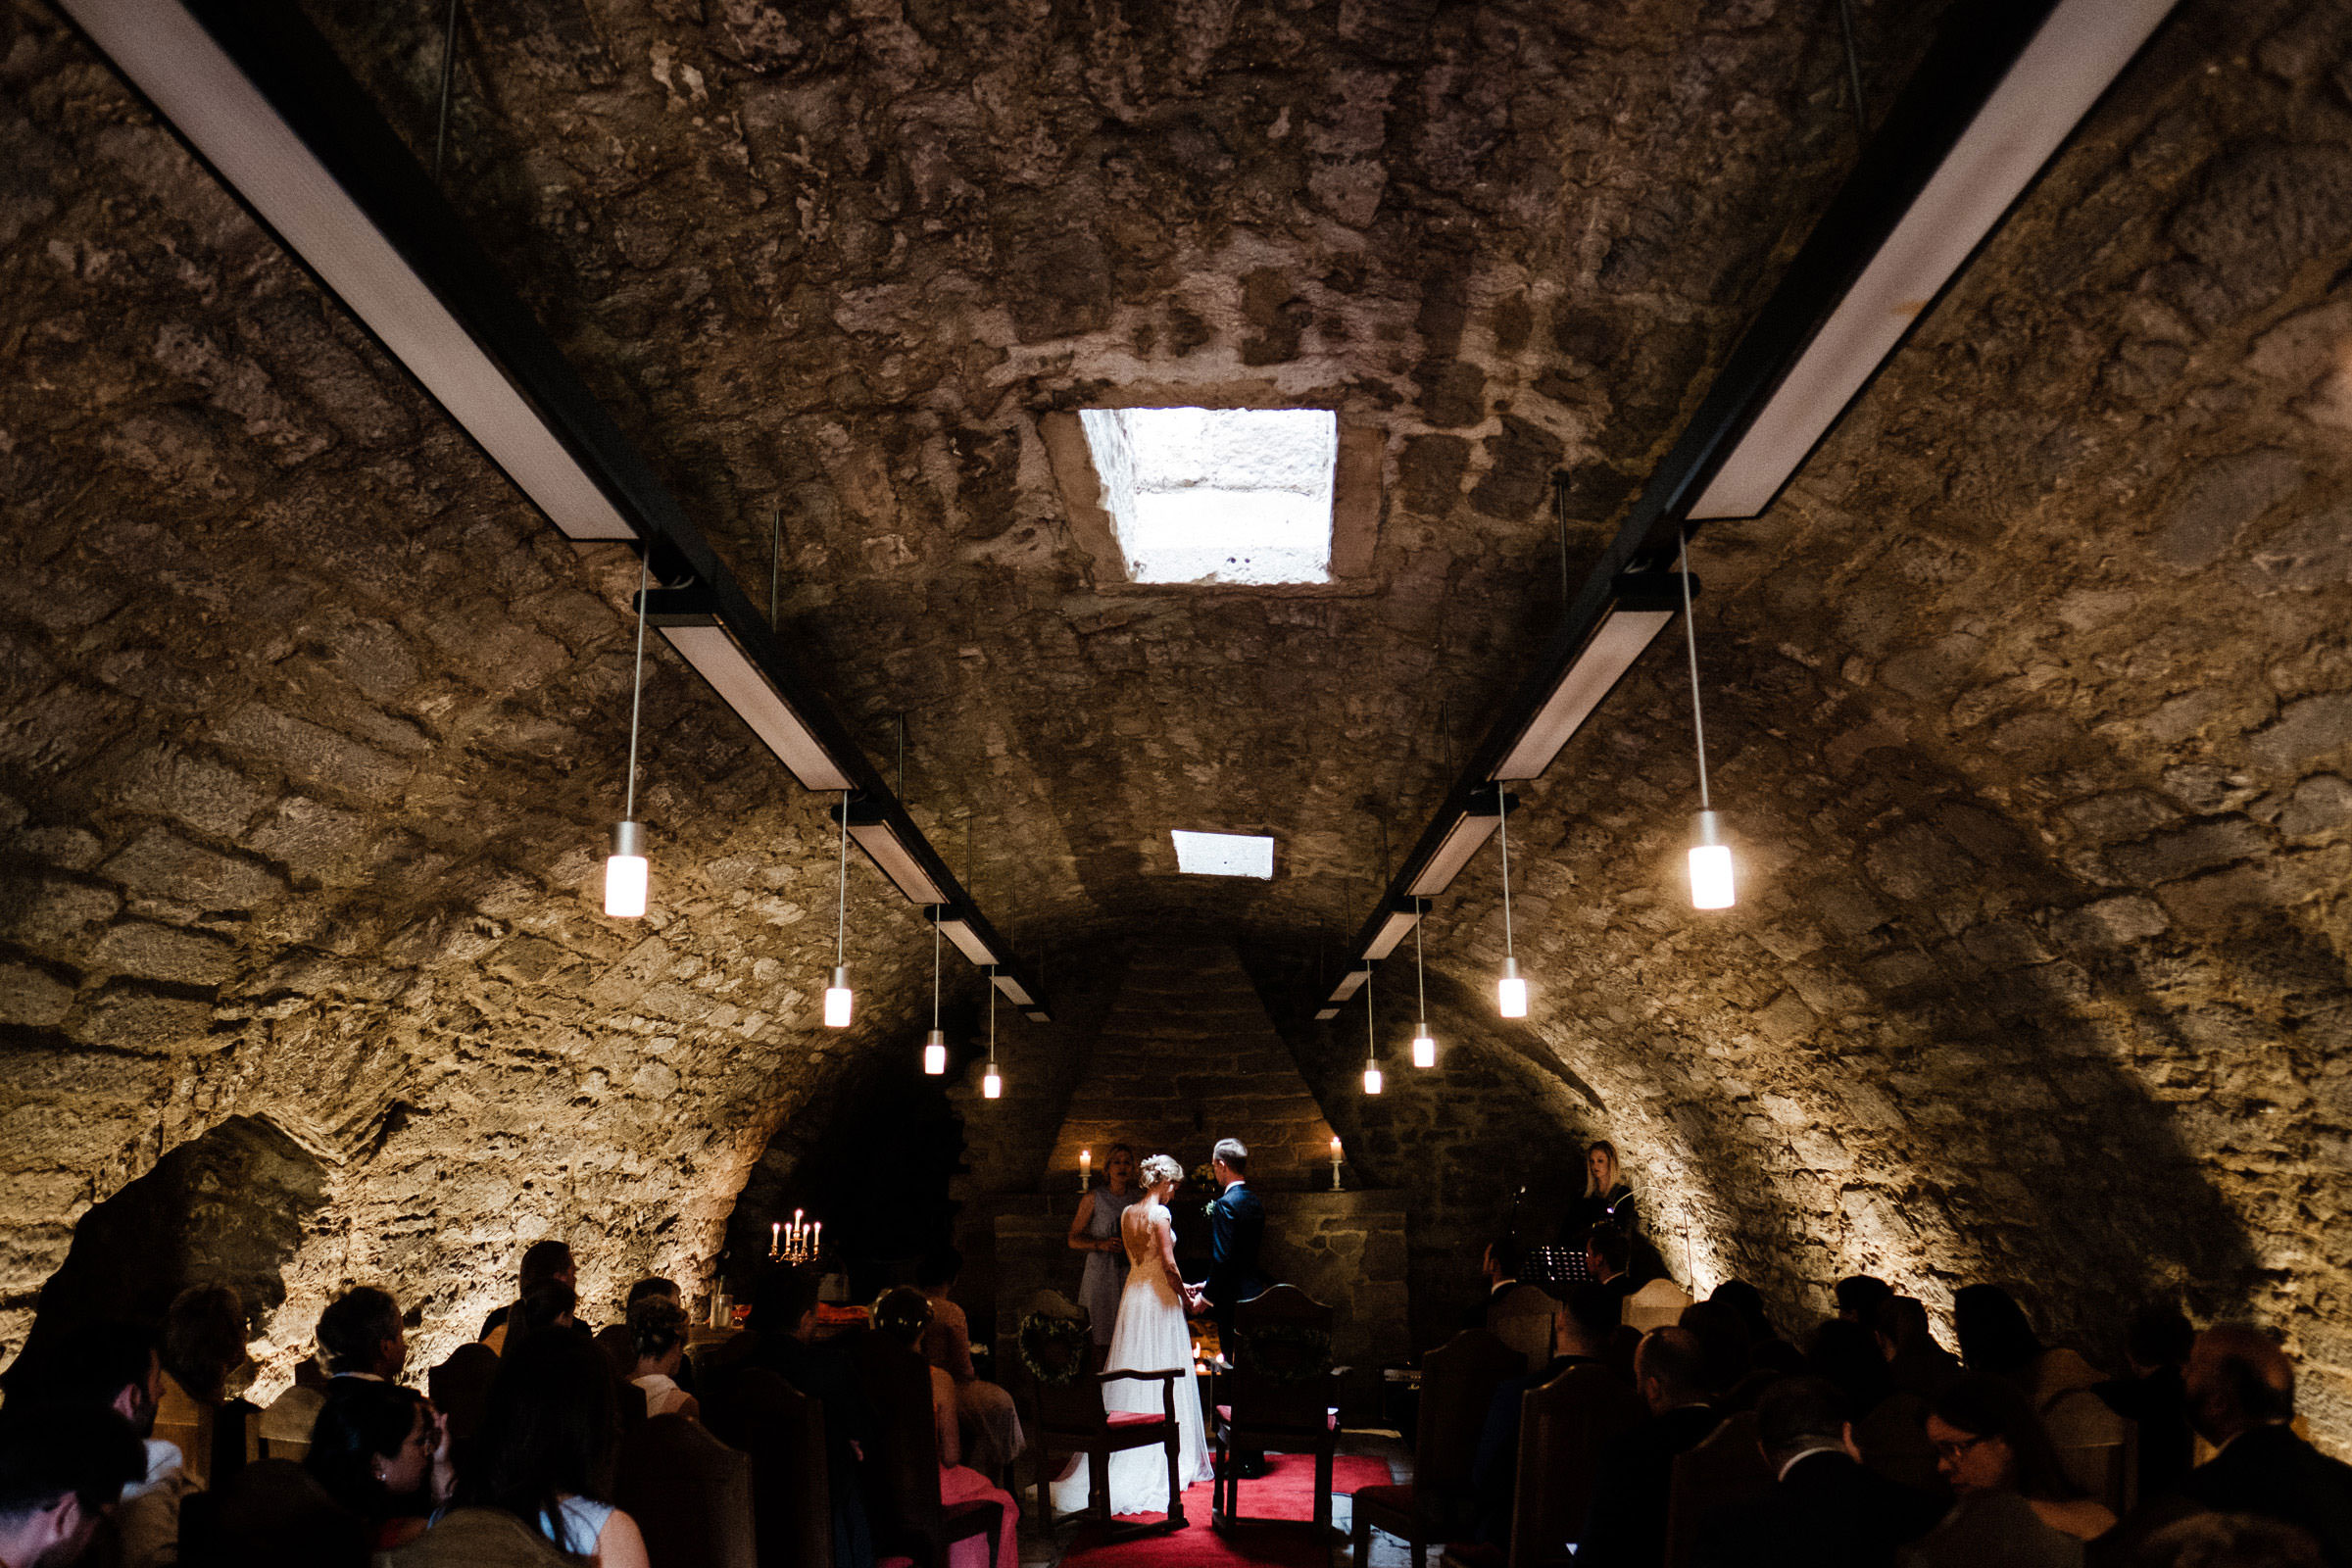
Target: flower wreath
{"type": "Point", "coordinates": [1283, 1352]}
{"type": "Point", "coordinates": [1052, 1349]}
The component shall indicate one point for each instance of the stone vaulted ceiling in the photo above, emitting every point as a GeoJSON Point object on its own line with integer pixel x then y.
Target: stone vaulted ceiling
{"type": "Point", "coordinates": [2028, 701]}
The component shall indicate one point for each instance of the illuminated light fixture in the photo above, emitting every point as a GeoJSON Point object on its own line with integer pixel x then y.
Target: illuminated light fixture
{"type": "Point", "coordinates": [967, 942]}
{"type": "Point", "coordinates": [1326, 1015]}
{"type": "Point", "coordinates": [688, 618]}
{"type": "Point", "coordinates": [1015, 992]}
{"type": "Point", "coordinates": [935, 1044]}
{"type": "Point", "coordinates": [1462, 839]}
{"type": "Point", "coordinates": [2074, 51]}
{"type": "Point", "coordinates": [1424, 1047]}
{"type": "Point", "coordinates": [1510, 992]}
{"type": "Point", "coordinates": [1640, 608]}
{"type": "Point", "coordinates": [284, 171]}
{"type": "Point", "coordinates": [992, 1081]}
{"type": "Point", "coordinates": [625, 868]}
{"type": "Point", "coordinates": [1404, 916]}
{"type": "Point", "coordinates": [1372, 1078]}
{"type": "Point", "coordinates": [838, 1000]}
{"type": "Point", "coordinates": [1350, 982]}
{"type": "Point", "coordinates": [891, 855]}
{"type": "Point", "coordinates": [1710, 856]}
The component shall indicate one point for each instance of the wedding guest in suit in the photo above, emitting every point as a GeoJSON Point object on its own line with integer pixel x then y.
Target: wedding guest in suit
{"type": "Point", "coordinates": [2242, 1395]}
{"type": "Point", "coordinates": [1606, 1255]}
{"type": "Point", "coordinates": [61, 1466]}
{"type": "Point", "coordinates": [1860, 1297]}
{"type": "Point", "coordinates": [360, 1336]}
{"type": "Point", "coordinates": [1500, 1266]}
{"type": "Point", "coordinates": [1889, 1424]}
{"type": "Point", "coordinates": [1767, 1350]}
{"type": "Point", "coordinates": [1827, 1511]}
{"type": "Point", "coordinates": [1996, 1337]}
{"type": "Point", "coordinates": [544, 1263]}
{"type": "Point", "coordinates": [1580, 1337]}
{"type": "Point", "coordinates": [1918, 1364]}
{"type": "Point", "coordinates": [1626, 1525]}
{"type": "Point", "coordinates": [115, 1368]}
{"type": "Point", "coordinates": [1607, 1198]}
{"type": "Point", "coordinates": [2156, 1396]}
{"type": "Point", "coordinates": [784, 1318]}
{"type": "Point", "coordinates": [2015, 1507]}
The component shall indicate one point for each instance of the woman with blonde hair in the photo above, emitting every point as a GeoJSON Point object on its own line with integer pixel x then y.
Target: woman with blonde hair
{"type": "Point", "coordinates": [1095, 1231]}
{"type": "Point", "coordinates": [1151, 1335]}
{"type": "Point", "coordinates": [1608, 1199]}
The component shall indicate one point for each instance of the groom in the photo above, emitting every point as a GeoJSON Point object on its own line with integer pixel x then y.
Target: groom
{"type": "Point", "coordinates": [1237, 1225]}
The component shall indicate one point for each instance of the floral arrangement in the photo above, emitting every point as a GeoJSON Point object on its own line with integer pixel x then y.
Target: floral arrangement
{"type": "Point", "coordinates": [1052, 1349]}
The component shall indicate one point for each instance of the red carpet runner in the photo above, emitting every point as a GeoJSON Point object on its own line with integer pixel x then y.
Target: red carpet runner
{"type": "Point", "coordinates": [1286, 1493]}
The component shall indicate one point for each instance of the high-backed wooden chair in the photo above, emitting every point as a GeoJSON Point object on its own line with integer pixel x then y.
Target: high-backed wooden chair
{"type": "Point", "coordinates": [1522, 1319]}
{"type": "Point", "coordinates": [2098, 1449]}
{"type": "Point", "coordinates": [783, 1433]}
{"type": "Point", "coordinates": [1458, 1380]}
{"type": "Point", "coordinates": [1726, 1470]}
{"type": "Point", "coordinates": [1279, 1395]}
{"type": "Point", "coordinates": [902, 1462]}
{"type": "Point", "coordinates": [1658, 1305]}
{"type": "Point", "coordinates": [1070, 1418]}
{"type": "Point", "coordinates": [1565, 1427]}
{"type": "Point", "coordinates": [690, 1494]}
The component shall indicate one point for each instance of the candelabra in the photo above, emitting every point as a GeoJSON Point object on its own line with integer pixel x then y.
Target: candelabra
{"type": "Point", "coordinates": [796, 1243]}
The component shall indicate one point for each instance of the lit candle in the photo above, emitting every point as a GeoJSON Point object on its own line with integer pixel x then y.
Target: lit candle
{"type": "Point", "coordinates": [816, 1238]}
{"type": "Point", "coordinates": [1085, 1167]}
{"type": "Point", "coordinates": [1335, 1164]}
{"type": "Point", "coordinates": [776, 1236]}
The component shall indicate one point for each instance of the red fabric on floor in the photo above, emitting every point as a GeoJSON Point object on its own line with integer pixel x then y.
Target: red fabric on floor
{"type": "Point", "coordinates": [1287, 1491]}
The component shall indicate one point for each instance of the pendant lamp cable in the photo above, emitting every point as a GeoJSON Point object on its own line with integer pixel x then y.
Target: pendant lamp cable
{"type": "Point", "coordinates": [1371, 1046]}
{"type": "Point", "coordinates": [637, 689]}
{"type": "Point", "coordinates": [1502, 799]}
{"type": "Point", "coordinates": [934, 966]}
{"type": "Point", "coordinates": [1698, 722]}
{"type": "Point", "coordinates": [1420, 982]}
{"type": "Point", "coordinates": [992, 1017]}
{"type": "Point", "coordinates": [841, 909]}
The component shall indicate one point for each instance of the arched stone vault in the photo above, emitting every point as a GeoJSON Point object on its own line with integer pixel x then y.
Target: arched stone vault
{"type": "Point", "coordinates": [2028, 701]}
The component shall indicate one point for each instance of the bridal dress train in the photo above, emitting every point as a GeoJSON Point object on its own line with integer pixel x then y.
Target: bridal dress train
{"type": "Point", "coordinates": [1150, 1336]}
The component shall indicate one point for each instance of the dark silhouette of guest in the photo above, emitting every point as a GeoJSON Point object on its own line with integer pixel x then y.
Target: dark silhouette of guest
{"type": "Point", "coordinates": [1827, 1510]}
{"type": "Point", "coordinates": [2241, 1397]}
{"type": "Point", "coordinates": [784, 1318]}
{"type": "Point", "coordinates": [1918, 1364]}
{"type": "Point", "coordinates": [1996, 1338]}
{"type": "Point", "coordinates": [1499, 1264]}
{"type": "Point", "coordinates": [2015, 1507]}
{"type": "Point", "coordinates": [2156, 1396]}
{"type": "Point", "coordinates": [1626, 1525]}
{"type": "Point", "coordinates": [1767, 1350]}
{"type": "Point", "coordinates": [1580, 1337]}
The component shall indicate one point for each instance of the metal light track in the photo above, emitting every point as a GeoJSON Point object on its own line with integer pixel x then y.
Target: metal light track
{"type": "Point", "coordinates": [257, 95]}
{"type": "Point", "coordinates": [2004, 85]}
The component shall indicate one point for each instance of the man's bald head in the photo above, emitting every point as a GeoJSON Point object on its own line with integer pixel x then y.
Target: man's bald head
{"type": "Point", "coordinates": [1670, 1369]}
{"type": "Point", "coordinates": [2237, 1378]}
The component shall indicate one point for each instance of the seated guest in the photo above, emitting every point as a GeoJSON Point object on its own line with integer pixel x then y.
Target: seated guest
{"type": "Point", "coordinates": [1917, 1363]}
{"type": "Point", "coordinates": [1722, 1335]}
{"type": "Point", "coordinates": [1889, 1425]}
{"type": "Point", "coordinates": [61, 1466]}
{"type": "Point", "coordinates": [2156, 1396]}
{"type": "Point", "coordinates": [990, 1425]}
{"type": "Point", "coordinates": [543, 1263]}
{"type": "Point", "coordinates": [2241, 1397]}
{"type": "Point", "coordinates": [360, 1336]}
{"type": "Point", "coordinates": [1580, 1332]}
{"type": "Point", "coordinates": [784, 1321]}
{"type": "Point", "coordinates": [2015, 1507]}
{"type": "Point", "coordinates": [1826, 1510]}
{"type": "Point", "coordinates": [1767, 1352]}
{"type": "Point", "coordinates": [1500, 1266]}
{"type": "Point", "coordinates": [1995, 1338]}
{"type": "Point", "coordinates": [1606, 1253]}
{"type": "Point", "coordinates": [657, 1338]}
{"type": "Point", "coordinates": [380, 1452]}
{"type": "Point", "coordinates": [203, 1354]}
{"type": "Point", "coordinates": [1626, 1525]}
{"type": "Point", "coordinates": [543, 1310]}
{"type": "Point", "coordinates": [1860, 1297]}
{"type": "Point", "coordinates": [550, 1431]}
{"type": "Point", "coordinates": [116, 1367]}
{"type": "Point", "coordinates": [908, 1316]}
{"type": "Point", "coordinates": [2230, 1540]}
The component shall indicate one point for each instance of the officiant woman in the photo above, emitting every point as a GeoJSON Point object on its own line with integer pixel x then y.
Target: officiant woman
{"type": "Point", "coordinates": [1095, 1231]}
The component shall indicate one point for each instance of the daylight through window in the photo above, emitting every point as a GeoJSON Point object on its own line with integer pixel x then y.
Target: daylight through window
{"type": "Point", "coordinates": [1218, 495]}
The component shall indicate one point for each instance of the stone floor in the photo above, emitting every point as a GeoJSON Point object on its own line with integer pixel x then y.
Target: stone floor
{"type": "Point", "coordinates": [1044, 1549]}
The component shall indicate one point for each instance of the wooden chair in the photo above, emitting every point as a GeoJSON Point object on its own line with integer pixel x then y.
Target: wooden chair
{"type": "Point", "coordinates": [782, 1430]}
{"type": "Point", "coordinates": [1726, 1470]}
{"type": "Point", "coordinates": [1266, 1404]}
{"type": "Point", "coordinates": [1658, 1305]}
{"type": "Point", "coordinates": [2097, 1448]}
{"type": "Point", "coordinates": [1564, 1428]}
{"type": "Point", "coordinates": [1458, 1380]}
{"type": "Point", "coordinates": [690, 1494]}
{"type": "Point", "coordinates": [1522, 1319]}
{"type": "Point", "coordinates": [902, 1463]}
{"type": "Point", "coordinates": [1071, 1418]}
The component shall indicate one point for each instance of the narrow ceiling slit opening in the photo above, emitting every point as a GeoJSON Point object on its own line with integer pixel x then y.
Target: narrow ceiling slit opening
{"type": "Point", "coordinates": [1218, 495]}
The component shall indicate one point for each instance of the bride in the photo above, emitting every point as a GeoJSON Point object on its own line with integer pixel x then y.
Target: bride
{"type": "Point", "coordinates": [1150, 1336]}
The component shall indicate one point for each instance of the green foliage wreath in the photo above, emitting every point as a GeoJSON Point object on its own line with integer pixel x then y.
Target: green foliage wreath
{"type": "Point", "coordinates": [1052, 1349]}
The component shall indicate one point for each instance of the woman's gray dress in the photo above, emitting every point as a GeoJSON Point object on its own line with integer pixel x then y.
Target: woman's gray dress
{"type": "Point", "coordinates": [1105, 1272]}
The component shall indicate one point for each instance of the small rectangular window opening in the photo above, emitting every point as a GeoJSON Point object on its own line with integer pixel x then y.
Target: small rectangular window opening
{"type": "Point", "coordinates": [1223, 854]}
{"type": "Point", "coordinates": [1217, 495]}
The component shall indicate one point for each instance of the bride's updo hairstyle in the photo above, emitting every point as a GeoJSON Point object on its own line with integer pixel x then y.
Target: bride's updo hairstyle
{"type": "Point", "coordinates": [1160, 1168]}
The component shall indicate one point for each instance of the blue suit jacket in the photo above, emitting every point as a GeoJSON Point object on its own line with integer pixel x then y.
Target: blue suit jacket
{"type": "Point", "coordinates": [1237, 1225]}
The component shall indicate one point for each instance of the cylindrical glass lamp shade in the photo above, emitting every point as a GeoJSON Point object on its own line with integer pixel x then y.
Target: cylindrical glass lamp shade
{"type": "Point", "coordinates": [1373, 1082]}
{"type": "Point", "coordinates": [1425, 1052]}
{"type": "Point", "coordinates": [838, 1000]}
{"type": "Point", "coordinates": [1510, 992]}
{"type": "Point", "coordinates": [935, 1053]}
{"type": "Point", "coordinates": [992, 1084]}
{"type": "Point", "coordinates": [1710, 865]}
{"type": "Point", "coordinates": [625, 873]}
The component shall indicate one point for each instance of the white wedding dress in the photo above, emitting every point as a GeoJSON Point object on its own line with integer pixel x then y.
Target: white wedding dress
{"type": "Point", "coordinates": [1150, 1336]}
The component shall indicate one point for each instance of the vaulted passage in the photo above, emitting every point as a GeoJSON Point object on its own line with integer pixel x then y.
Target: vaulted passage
{"type": "Point", "coordinates": [2026, 690]}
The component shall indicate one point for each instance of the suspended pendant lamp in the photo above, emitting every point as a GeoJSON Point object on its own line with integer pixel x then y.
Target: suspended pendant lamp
{"type": "Point", "coordinates": [1710, 853]}
{"type": "Point", "coordinates": [992, 1081]}
{"type": "Point", "coordinates": [1425, 1048]}
{"type": "Point", "coordinates": [1510, 992]}
{"type": "Point", "coordinates": [838, 1000]}
{"type": "Point", "coordinates": [935, 1044]}
{"type": "Point", "coordinates": [625, 868]}
{"type": "Point", "coordinates": [1372, 1079]}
